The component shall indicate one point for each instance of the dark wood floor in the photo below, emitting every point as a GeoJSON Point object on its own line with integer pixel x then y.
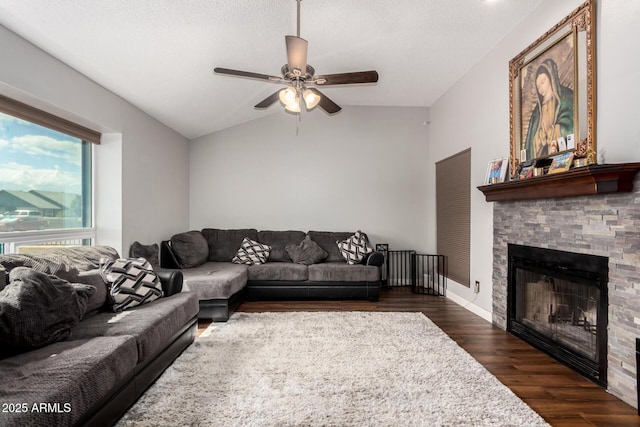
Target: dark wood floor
{"type": "Point", "coordinates": [561, 396]}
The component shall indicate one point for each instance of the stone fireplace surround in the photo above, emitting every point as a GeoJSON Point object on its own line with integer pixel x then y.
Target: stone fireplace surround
{"type": "Point", "coordinates": [606, 225]}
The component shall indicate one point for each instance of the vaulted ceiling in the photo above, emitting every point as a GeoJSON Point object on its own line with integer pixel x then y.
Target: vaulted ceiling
{"type": "Point", "coordinates": [159, 54]}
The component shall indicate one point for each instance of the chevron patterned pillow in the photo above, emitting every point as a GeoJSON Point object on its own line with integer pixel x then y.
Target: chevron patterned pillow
{"type": "Point", "coordinates": [251, 252]}
{"type": "Point", "coordinates": [131, 282]}
{"type": "Point", "coordinates": [355, 248]}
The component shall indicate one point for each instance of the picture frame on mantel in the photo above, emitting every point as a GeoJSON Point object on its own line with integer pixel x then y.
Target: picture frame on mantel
{"type": "Point", "coordinates": [496, 171]}
{"type": "Point", "coordinates": [552, 91]}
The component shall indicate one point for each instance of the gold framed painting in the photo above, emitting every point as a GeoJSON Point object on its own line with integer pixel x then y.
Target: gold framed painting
{"type": "Point", "coordinates": [552, 92]}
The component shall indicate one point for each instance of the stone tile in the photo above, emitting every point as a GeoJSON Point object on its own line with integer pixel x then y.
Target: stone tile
{"type": "Point", "coordinates": [606, 225]}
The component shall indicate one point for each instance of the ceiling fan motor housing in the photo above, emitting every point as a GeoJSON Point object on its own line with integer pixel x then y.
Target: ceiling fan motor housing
{"type": "Point", "coordinates": [296, 74]}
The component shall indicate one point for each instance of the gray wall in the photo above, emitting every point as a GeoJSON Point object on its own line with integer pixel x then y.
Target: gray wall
{"type": "Point", "coordinates": [363, 168]}
{"type": "Point", "coordinates": [475, 113]}
{"type": "Point", "coordinates": [141, 167]}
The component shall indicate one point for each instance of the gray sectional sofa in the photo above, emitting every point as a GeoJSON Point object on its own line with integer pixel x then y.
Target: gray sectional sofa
{"type": "Point", "coordinates": [205, 259]}
{"type": "Point", "coordinates": [108, 359]}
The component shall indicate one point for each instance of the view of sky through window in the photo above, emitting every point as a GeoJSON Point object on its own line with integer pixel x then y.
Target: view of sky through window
{"type": "Point", "coordinates": [42, 174]}
{"type": "Point", "coordinates": [33, 157]}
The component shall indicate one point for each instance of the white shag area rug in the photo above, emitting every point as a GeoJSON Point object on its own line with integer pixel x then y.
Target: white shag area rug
{"type": "Point", "coordinates": [328, 369]}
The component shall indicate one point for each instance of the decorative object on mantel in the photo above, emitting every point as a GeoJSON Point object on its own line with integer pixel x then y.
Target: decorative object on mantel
{"type": "Point", "coordinates": [587, 180]}
{"type": "Point", "coordinates": [496, 171]}
{"type": "Point", "coordinates": [561, 162]}
{"type": "Point", "coordinates": [552, 87]}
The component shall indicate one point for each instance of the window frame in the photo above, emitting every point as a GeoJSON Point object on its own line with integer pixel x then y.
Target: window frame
{"type": "Point", "coordinates": [10, 242]}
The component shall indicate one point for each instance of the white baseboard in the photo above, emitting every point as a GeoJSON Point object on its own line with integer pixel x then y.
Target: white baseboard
{"type": "Point", "coordinates": [475, 309]}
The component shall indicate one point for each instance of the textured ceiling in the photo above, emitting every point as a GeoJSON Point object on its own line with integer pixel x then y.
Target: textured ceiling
{"type": "Point", "coordinates": [159, 54]}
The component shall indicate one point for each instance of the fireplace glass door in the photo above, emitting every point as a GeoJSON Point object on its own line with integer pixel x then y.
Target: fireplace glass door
{"type": "Point", "coordinates": [564, 311]}
{"type": "Point", "coordinates": [558, 303]}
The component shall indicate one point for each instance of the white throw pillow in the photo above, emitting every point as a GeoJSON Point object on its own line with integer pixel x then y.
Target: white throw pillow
{"type": "Point", "coordinates": [131, 282]}
{"type": "Point", "coordinates": [251, 253]}
{"type": "Point", "coordinates": [355, 248]}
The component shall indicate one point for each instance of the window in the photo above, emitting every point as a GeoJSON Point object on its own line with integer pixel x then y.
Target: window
{"type": "Point", "coordinates": [45, 179]}
{"type": "Point", "coordinates": [453, 214]}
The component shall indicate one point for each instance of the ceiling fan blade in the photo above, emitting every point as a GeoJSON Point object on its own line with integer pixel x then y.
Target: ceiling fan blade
{"type": "Point", "coordinates": [268, 100]}
{"type": "Point", "coordinates": [297, 53]}
{"type": "Point", "coordinates": [325, 102]}
{"type": "Point", "coordinates": [237, 73]}
{"type": "Point", "coordinates": [347, 78]}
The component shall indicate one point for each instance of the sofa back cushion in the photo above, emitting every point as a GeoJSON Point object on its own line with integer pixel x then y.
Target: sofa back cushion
{"type": "Point", "coordinates": [279, 240]}
{"type": "Point", "coordinates": [223, 244]}
{"type": "Point", "coordinates": [191, 248]}
{"type": "Point", "coordinates": [327, 241]}
{"type": "Point", "coordinates": [98, 300]}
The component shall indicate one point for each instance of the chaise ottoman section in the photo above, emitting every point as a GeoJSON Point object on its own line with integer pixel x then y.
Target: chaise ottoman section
{"type": "Point", "coordinates": [215, 280]}
{"type": "Point", "coordinates": [219, 287]}
{"type": "Point", "coordinates": [74, 376]}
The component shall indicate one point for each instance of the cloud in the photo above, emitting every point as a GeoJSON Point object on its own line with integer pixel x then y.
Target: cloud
{"type": "Point", "coordinates": [40, 145]}
{"type": "Point", "coordinates": [16, 176]}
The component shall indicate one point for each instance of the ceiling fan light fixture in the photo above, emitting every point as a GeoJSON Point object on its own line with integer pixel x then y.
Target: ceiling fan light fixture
{"type": "Point", "coordinates": [288, 96]}
{"type": "Point", "coordinates": [293, 107]}
{"type": "Point", "coordinates": [310, 99]}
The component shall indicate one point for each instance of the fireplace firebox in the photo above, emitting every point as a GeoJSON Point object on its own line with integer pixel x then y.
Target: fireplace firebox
{"type": "Point", "coordinates": [557, 302]}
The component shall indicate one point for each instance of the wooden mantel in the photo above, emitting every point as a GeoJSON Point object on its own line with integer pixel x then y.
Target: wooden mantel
{"type": "Point", "coordinates": [586, 180]}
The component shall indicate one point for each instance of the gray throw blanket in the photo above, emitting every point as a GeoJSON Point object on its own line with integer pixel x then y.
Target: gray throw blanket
{"type": "Point", "coordinates": [37, 309]}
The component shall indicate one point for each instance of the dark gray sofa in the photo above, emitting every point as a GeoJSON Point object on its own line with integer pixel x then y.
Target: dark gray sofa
{"type": "Point", "coordinates": [222, 285]}
{"type": "Point", "coordinates": [109, 359]}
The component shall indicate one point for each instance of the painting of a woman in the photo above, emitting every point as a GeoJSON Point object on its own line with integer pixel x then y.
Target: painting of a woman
{"type": "Point", "coordinates": [552, 117]}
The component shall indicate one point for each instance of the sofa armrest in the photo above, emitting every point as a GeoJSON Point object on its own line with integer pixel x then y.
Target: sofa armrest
{"type": "Point", "coordinates": [4, 278]}
{"type": "Point", "coordinates": [167, 257]}
{"type": "Point", "coordinates": [375, 258]}
{"type": "Point", "coordinates": [171, 281]}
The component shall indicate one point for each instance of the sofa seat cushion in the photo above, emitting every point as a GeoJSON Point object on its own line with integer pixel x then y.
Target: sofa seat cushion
{"type": "Point", "coordinates": [279, 240]}
{"type": "Point", "coordinates": [285, 271]}
{"type": "Point", "coordinates": [151, 324]}
{"type": "Point", "coordinates": [342, 272]}
{"type": "Point", "coordinates": [215, 280]}
{"type": "Point", "coordinates": [78, 373]}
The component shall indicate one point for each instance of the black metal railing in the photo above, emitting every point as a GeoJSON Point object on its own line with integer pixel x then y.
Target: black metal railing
{"type": "Point", "coordinates": [426, 274]}
{"type": "Point", "coordinates": [429, 274]}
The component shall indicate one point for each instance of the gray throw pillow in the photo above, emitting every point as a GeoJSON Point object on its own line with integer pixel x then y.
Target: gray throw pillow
{"type": "Point", "coordinates": [278, 240]}
{"type": "Point", "coordinates": [148, 252]}
{"type": "Point", "coordinates": [191, 248]}
{"type": "Point", "coordinates": [327, 241]}
{"type": "Point", "coordinates": [37, 309]}
{"type": "Point", "coordinates": [306, 252]}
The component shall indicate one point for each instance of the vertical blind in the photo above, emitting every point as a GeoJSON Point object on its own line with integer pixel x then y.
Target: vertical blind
{"type": "Point", "coordinates": [42, 118]}
{"type": "Point", "coordinates": [453, 214]}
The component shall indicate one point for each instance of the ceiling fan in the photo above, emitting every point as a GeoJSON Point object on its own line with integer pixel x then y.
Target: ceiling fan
{"type": "Point", "coordinates": [301, 79]}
